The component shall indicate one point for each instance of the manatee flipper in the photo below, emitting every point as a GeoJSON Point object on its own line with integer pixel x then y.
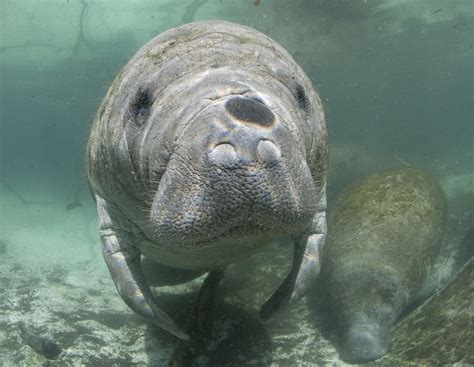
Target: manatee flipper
{"type": "Point", "coordinates": [306, 267]}
{"type": "Point", "coordinates": [123, 261]}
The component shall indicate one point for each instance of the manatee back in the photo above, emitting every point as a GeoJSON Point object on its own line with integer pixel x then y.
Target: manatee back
{"type": "Point", "coordinates": [392, 220]}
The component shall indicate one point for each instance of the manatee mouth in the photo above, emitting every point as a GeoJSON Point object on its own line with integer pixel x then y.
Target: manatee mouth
{"type": "Point", "coordinates": [204, 218]}
{"type": "Point", "coordinates": [248, 203]}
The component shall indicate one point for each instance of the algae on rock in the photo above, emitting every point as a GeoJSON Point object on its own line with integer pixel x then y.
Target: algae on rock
{"type": "Point", "coordinates": [441, 331]}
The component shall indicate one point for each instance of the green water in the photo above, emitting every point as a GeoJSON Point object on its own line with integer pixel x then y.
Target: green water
{"type": "Point", "coordinates": [396, 81]}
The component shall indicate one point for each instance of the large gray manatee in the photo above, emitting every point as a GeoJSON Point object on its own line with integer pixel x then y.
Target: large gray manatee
{"type": "Point", "coordinates": [210, 143]}
{"type": "Point", "coordinates": [384, 236]}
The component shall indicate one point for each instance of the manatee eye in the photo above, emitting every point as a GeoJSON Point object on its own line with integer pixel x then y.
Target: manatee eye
{"type": "Point", "coordinates": [301, 97]}
{"type": "Point", "coordinates": [139, 108]}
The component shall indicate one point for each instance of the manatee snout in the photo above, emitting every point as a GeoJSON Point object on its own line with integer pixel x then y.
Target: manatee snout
{"type": "Point", "coordinates": [244, 160]}
{"type": "Point", "coordinates": [247, 132]}
{"type": "Point", "coordinates": [364, 343]}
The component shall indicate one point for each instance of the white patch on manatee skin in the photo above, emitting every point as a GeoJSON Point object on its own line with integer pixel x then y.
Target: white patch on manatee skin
{"type": "Point", "coordinates": [223, 155]}
{"type": "Point", "coordinates": [268, 152]}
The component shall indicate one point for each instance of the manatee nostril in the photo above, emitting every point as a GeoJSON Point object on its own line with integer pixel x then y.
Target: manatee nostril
{"type": "Point", "coordinates": [268, 152]}
{"type": "Point", "coordinates": [250, 110]}
{"type": "Point", "coordinates": [223, 155]}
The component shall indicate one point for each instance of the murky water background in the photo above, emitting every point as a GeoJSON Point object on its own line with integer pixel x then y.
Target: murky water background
{"type": "Point", "coordinates": [396, 80]}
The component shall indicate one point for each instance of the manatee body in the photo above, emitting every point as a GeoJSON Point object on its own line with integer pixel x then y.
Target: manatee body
{"type": "Point", "coordinates": [384, 234]}
{"type": "Point", "coordinates": [210, 142]}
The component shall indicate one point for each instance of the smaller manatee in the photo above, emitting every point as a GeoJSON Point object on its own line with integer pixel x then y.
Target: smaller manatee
{"type": "Point", "coordinates": [384, 234]}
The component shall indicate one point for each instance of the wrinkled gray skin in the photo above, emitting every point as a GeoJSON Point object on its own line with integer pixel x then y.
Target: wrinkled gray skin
{"type": "Point", "coordinates": [210, 143]}
{"type": "Point", "coordinates": [384, 236]}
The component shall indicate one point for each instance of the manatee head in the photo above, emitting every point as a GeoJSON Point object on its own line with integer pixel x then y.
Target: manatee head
{"type": "Point", "coordinates": [369, 302]}
{"type": "Point", "coordinates": [364, 341]}
{"type": "Point", "coordinates": [210, 153]}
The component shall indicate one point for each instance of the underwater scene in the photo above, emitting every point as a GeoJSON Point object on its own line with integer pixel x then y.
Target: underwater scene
{"type": "Point", "coordinates": [236, 183]}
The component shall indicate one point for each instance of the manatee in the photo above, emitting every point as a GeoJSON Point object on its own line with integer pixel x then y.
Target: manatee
{"type": "Point", "coordinates": [384, 235]}
{"type": "Point", "coordinates": [210, 143]}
